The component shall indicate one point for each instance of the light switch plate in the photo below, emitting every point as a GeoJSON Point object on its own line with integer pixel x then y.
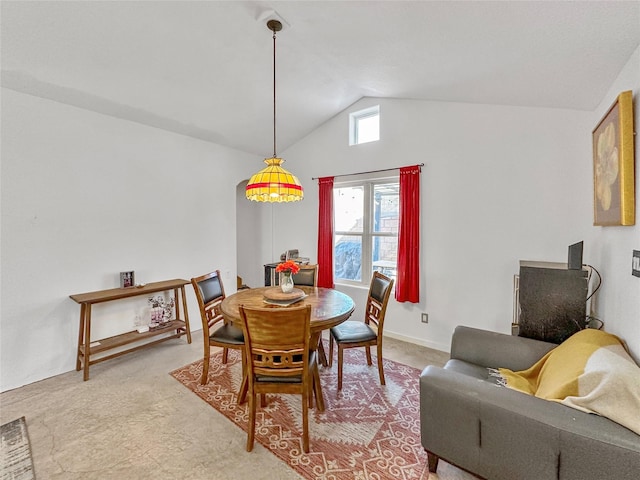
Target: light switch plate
{"type": "Point", "coordinates": [635, 264]}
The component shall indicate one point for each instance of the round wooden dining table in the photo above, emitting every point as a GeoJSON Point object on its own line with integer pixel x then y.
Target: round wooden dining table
{"type": "Point", "coordinates": [329, 307]}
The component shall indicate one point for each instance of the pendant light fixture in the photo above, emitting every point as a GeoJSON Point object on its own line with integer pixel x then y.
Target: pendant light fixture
{"type": "Point", "coordinates": [274, 183]}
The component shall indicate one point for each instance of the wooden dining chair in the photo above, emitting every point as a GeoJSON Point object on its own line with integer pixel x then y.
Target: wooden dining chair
{"type": "Point", "coordinates": [354, 333]}
{"type": "Point", "coordinates": [216, 331]}
{"type": "Point", "coordinates": [278, 359]}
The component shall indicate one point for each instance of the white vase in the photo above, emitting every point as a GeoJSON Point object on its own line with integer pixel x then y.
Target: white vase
{"type": "Point", "coordinates": [286, 282]}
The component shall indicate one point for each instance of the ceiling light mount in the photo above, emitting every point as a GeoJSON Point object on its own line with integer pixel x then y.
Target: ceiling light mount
{"type": "Point", "coordinates": [274, 183]}
{"type": "Point", "coordinates": [264, 16]}
{"type": "Point", "coordinates": [274, 25]}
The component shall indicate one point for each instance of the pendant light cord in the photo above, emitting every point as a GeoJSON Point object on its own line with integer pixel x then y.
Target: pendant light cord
{"type": "Point", "coordinates": [274, 94]}
{"type": "Point", "coordinates": [274, 183]}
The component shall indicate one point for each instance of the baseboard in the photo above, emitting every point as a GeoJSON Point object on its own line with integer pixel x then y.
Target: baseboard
{"type": "Point", "coordinates": [423, 343]}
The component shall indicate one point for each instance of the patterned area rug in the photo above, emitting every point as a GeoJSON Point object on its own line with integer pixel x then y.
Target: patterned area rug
{"type": "Point", "coordinates": [15, 451]}
{"type": "Point", "coordinates": [367, 432]}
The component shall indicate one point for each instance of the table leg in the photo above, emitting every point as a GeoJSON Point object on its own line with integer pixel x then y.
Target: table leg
{"type": "Point", "coordinates": [322, 356]}
{"type": "Point", "coordinates": [177, 303]}
{"type": "Point", "coordinates": [316, 337]}
{"type": "Point", "coordinates": [83, 308]}
{"type": "Point", "coordinates": [186, 314]}
{"type": "Point", "coordinates": [87, 342]}
{"type": "Point", "coordinates": [244, 387]}
{"type": "Point", "coordinates": [318, 389]}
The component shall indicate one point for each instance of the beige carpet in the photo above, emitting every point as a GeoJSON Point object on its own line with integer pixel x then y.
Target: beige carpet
{"type": "Point", "coordinates": [367, 432]}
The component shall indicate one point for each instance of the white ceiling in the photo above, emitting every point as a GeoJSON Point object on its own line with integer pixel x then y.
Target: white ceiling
{"type": "Point", "coordinates": [204, 68]}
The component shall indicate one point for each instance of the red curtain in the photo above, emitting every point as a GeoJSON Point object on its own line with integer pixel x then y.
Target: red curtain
{"type": "Point", "coordinates": [325, 233]}
{"type": "Point", "coordinates": [408, 276]}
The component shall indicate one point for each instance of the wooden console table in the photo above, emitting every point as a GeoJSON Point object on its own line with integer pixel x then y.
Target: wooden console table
{"type": "Point", "coordinates": [86, 300]}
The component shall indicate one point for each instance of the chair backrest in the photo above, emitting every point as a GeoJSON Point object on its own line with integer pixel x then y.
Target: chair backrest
{"type": "Point", "coordinates": [210, 294]}
{"type": "Point", "coordinates": [307, 276]}
{"type": "Point", "coordinates": [277, 341]}
{"type": "Point", "coordinates": [377, 300]}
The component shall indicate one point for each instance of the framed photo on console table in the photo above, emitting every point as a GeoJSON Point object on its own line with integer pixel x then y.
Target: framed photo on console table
{"type": "Point", "coordinates": [613, 165]}
{"type": "Point", "coordinates": [127, 279]}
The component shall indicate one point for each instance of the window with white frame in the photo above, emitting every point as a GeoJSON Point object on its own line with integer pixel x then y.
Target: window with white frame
{"type": "Point", "coordinates": [366, 219]}
{"type": "Point", "coordinates": [364, 126]}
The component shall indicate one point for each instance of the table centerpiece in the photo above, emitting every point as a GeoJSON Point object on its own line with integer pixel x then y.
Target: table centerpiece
{"type": "Point", "coordinates": [286, 270]}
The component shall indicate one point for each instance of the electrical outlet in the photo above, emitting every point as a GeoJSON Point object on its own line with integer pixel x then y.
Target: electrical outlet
{"type": "Point", "coordinates": [635, 263]}
{"type": "Point", "coordinates": [425, 318]}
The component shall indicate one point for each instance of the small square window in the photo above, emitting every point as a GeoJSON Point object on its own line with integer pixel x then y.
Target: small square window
{"type": "Point", "coordinates": [364, 126]}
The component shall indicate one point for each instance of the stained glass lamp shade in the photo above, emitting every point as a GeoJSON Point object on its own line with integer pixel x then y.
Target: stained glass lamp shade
{"type": "Point", "coordinates": [274, 184]}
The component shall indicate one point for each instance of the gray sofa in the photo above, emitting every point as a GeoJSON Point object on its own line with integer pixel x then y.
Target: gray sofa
{"type": "Point", "coordinates": [498, 433]}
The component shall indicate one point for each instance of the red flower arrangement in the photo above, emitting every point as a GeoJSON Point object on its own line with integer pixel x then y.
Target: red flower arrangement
{"type": "Point", "coordinates": [288, 267]}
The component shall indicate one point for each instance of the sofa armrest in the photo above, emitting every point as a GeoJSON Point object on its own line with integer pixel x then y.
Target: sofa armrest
{"type": "Point", "coordinates": [492, 349]}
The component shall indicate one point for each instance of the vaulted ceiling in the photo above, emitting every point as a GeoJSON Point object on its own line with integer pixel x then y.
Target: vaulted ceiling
{"type": "Point", "coordinates": [204, 68]}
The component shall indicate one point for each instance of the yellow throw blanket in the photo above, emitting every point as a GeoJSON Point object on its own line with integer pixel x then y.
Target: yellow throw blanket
{"type": "Point", "coordinates": [590, 371]}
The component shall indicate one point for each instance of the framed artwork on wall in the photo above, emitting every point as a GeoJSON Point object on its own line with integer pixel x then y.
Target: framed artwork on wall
{"type": "Point", "coordinates": [613, 165]}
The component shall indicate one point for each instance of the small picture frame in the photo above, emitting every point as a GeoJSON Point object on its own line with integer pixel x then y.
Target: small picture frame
{"type": "Point", "coordinates": [127, 279]}
{"type": "Point", "coordinates": [613, 165]}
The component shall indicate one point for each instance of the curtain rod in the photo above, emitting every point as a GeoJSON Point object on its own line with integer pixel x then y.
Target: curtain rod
{"type": "Point", "coordinates": [371, 171]}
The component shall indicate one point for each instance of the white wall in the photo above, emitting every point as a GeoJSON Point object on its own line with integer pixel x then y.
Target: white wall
{"type": "Point", "coordinates": [619, 297]}
{"type": "Point", "coordinates": [267, 230]}
{"type": "Point", "coordinates": [85, 196]}
{"type": "Point", "coordinates": [500, 184]}
{"type": "Point", "coordinates": [254, 235]}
